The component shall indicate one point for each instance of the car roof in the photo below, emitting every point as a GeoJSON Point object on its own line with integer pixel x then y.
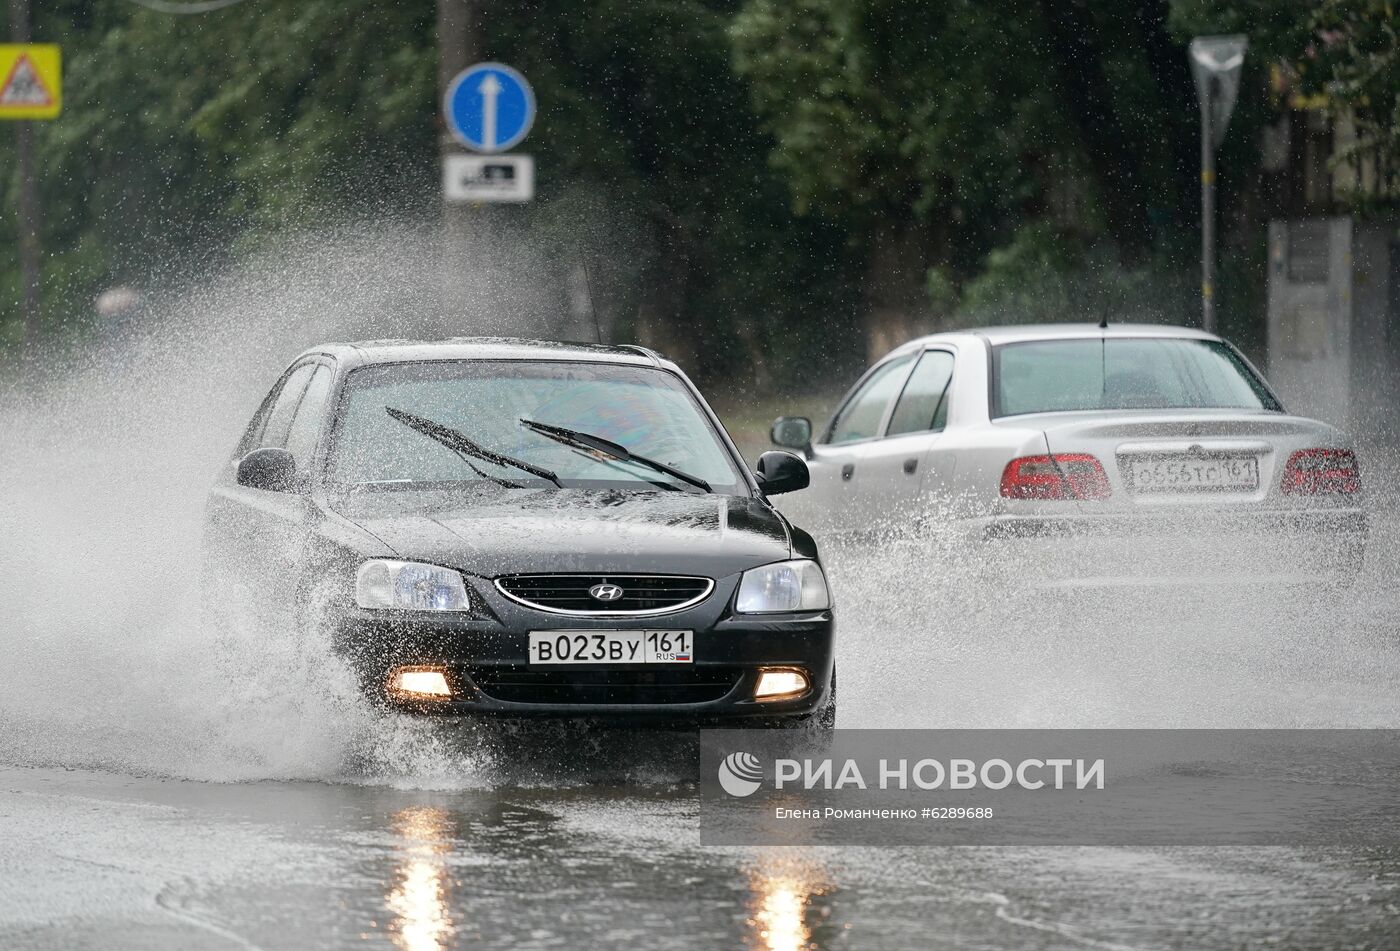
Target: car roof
{"type": "Point", "coordinates": [996, 335]}
{"type": "Point", "coordinates": [1026, 333]}
{"type": "Point", "coordinates": [365, 352]}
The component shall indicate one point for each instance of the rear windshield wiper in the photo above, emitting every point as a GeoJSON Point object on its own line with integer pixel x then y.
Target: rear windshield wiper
{"type": "Point", "coordinates": [464, 446]}
{"type": "Point", "coordinates": [607, 447]}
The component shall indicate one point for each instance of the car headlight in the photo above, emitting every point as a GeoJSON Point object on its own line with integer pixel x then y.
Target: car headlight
{"type": "Point", "coordinates": [785, 586]}
{"type": "Point", "coordinates": [409, 586]}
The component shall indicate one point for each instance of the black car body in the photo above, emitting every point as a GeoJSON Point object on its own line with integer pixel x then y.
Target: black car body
{"type": "Point", "coordinates": [294, 544]}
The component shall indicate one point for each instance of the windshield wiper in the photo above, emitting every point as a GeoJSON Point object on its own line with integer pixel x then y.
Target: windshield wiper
{"type": "Point", "coordinates": [607, 447]}
{"type": "Point", "coordinates": [464, 446]}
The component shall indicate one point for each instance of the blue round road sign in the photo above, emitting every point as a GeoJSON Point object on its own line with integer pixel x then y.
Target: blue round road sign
{"type": "Point", "coordinates": [489, 107]}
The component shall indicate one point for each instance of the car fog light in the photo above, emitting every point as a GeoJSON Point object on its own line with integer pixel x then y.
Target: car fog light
{"type": "Point", "coordinates": [780, 684]}
{"type": "Point", "coordinates": [414, 684]}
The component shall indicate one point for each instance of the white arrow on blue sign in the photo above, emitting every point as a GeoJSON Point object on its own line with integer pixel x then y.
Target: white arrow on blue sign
{"type": "Point", "coordinates": [489, 107]}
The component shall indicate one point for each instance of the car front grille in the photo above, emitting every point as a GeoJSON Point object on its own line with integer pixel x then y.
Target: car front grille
{"type": "Point", "coordinates": [528, 685]}
{"type": "Point", "coordinates": [641, 594]}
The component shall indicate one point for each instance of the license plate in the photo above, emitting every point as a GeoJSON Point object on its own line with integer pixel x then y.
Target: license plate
{"type": "Point", "coordinates": [611, 647]}
{"type": "Point", "coordinates": [1195, 474]}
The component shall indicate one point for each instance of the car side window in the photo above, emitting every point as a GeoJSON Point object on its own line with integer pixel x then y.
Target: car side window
{"type": "Point", "coordinates": [310, 413]}
{"type": "Point", "coordinates": [860, 417]}
{"type": "Point", "coordinates": [279, 417]}
{"type": "Point", "coordinates": [923, 406]}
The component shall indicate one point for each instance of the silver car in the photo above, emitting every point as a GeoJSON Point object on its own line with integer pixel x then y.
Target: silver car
{"type": "Point", "coordinates": [1094, 455]}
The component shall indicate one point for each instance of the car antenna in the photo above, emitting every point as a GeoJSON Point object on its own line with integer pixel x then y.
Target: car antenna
{"type": "Point", "coordinates": [1103, 357]}
{"type": "Point", "coordinates": [592, 311]}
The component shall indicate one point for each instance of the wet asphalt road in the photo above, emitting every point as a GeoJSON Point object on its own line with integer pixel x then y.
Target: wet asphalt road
{"type": "Point", "coordinates": [93, 860]}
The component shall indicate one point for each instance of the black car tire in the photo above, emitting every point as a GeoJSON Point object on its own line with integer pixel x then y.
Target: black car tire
{"type": "Point", "coordinates": [825, 718]}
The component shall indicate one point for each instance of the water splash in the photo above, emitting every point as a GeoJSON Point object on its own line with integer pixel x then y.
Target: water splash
{"type": "Point", "coordinates": [107, 663]}
{"type": "Point", "coordinates": [109, 456]}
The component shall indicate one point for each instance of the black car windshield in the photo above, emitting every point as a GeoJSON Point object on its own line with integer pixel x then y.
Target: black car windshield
{"type": "Point", "coordinates": [646, 410]}
{"type": "Point", "coordinates": [1116, 373]}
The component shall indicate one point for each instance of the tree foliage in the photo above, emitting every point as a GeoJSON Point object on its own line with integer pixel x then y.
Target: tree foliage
{"type": "Point", "coordinates": [181, 135]}
{"type": "Point", "coordinates": [1357, 64]}
{"type": "Point", "coordinates": [966, 122]}
{"type": "Point", "coordinates": [901, 107]}
{"type": "Point", "coordinates": [186, 139]}
{"type": "Point", "coordinates": [761, 182]}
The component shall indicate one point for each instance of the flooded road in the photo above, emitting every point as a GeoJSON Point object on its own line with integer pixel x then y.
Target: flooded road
{"type": "Point", "coordinates": [92, 860]}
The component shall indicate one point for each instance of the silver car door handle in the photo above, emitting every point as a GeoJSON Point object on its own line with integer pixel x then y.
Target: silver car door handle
{"type": "Point", "coordinates": [910, 465]}
{"type": "Point", "coordinates": [848, 470]}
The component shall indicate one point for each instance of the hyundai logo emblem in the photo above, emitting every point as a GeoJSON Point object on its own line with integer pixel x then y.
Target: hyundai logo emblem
{"type": "Point", "coordinates": [605, 592]}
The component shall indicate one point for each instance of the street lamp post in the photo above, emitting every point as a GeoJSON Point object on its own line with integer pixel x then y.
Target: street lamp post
{"type": "Point", "coordinates": [1208, 211]}
{"type": "Point", "coordinates": [1215, 64]}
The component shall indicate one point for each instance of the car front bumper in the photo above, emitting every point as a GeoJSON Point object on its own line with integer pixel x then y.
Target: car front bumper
{"type": "Point", "coordinates": [486, 665]}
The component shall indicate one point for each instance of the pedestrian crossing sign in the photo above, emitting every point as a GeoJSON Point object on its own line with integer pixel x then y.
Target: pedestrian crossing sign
{"type": "Point", "coordinates": [31, 81]}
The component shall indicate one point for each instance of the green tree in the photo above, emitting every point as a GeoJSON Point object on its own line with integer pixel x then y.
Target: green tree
{"type": "Point", "coordinates": [188, 139]}
{"type": "Point", "coordinates": [1356, 62]}
{"type": "Point", "coordinates": [934, 130]}
{"type": "Point", "coordinates": [181, 134]}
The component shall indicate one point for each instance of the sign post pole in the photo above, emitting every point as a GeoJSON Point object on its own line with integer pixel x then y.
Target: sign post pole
{"type": "Point", "coordinates": [488, 109]}
{"type": "Point", "coordinates": [459, 40]}
{"type": "Point", "coordinates": [1215, 65]}
{"type": "Point", "coordinates": [29, 250]}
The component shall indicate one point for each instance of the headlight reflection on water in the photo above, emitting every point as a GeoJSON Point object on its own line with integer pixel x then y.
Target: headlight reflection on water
{"type": "Point", "coordinates": [785, 910]}
{"type": "Point", "coordinates": [419, 900]}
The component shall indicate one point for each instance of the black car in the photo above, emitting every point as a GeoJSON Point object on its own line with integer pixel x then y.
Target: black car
{"type": "Point", "coordinates": [519, 527]}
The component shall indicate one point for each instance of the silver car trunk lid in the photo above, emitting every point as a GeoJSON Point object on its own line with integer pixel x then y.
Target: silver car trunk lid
{"type": "Point", "coordinates": [1202, 458]}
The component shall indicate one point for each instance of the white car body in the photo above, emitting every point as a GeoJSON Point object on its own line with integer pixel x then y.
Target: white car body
{"type": "Point", "coordinates": [951, 478]}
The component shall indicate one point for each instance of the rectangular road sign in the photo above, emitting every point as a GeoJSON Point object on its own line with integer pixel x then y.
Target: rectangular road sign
{"type": "Point", "coordinates": [488, 178]}
{"type": "Point", "coordinates": [31, 81]}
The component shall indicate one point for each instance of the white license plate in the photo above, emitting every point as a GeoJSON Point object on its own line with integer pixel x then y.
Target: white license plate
{"type": "Point", "coordinates": [1191, 473]}
{"type": "Point", "coordinates": [611, 647]}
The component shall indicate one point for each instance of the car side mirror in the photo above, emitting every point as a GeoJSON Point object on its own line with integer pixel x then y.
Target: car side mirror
{"type": "Point", "coordinates": [272, 470]}
{"type": "Point", "coordinates": [780, 471]}
{"type": "Point", "coordinates": [792, 432]}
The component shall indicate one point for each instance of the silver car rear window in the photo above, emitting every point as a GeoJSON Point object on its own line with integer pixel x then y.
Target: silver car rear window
{"type": "Point", "coordinates": [1123, 373]}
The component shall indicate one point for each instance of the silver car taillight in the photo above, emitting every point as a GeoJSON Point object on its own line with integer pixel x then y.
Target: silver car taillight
{"type": "Point", "coordinates": [1322, 472]}
{"type": "Point", "coordinates": [1065, 475]}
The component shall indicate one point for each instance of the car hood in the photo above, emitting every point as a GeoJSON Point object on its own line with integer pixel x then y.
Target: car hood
{"type": "Point", "coordinates": [490, 532]}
